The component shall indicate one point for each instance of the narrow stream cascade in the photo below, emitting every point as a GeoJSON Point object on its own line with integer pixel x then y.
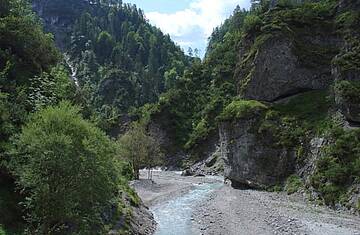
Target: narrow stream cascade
{"type": "Point", "coordinates": [174, 216]}
{"type": "Point", "coordinates": [73, 70]}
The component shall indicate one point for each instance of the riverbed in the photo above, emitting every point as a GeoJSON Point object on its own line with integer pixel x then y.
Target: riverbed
{"type": "Point", "coordinates": [203, 205]}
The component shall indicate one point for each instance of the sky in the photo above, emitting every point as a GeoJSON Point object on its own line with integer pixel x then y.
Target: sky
{"type": "Point", "coordinates": [188, 22]}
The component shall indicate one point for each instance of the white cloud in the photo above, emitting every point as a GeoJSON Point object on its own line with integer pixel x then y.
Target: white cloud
{"type": "Point", "coordinates": [197, 21]}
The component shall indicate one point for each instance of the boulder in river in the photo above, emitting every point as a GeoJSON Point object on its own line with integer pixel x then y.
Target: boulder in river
{"type": "Point", "coordinates": [187, 172]}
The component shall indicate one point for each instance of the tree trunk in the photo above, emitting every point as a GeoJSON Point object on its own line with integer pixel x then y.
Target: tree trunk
{"type": "Point", "coordinates": [136, 174]}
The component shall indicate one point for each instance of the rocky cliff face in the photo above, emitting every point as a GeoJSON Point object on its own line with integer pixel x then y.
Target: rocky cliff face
{"type": "Point", "coordinates": [59, 21]}
{"type": "Point", "coordinates": [161, 127]}
{"type": "Point", "coordinates": [275, 66]}
{"type": "Point", "coordinates": [287, 57]}
{"type": "Point", "coordinates": [277, 72]}
{"type": "Point", "coordinates": [251, 159]}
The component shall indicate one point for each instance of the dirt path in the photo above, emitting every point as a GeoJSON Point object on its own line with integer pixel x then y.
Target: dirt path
{"type": "Point", "coordinates": [227, 211]}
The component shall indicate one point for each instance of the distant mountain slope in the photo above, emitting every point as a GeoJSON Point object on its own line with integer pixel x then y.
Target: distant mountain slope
{"type": "Point", "coordinates": [121, 60]}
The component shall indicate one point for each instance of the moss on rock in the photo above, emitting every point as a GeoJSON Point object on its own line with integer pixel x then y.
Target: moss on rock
{"type": "Point", "coordinates": [240, 109]}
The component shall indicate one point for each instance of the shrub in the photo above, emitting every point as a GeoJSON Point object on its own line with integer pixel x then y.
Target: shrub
{"type": "Point", "coordinates": [293, 184]}
{"type": "Point", "coordinates": [65, 166]}
{"type": "Point", "coordinates": [200, 132]}
{"type": "Point", "coordinates": [348, 90]}
{"type": "Point", "coordinates": [339, 166]}
{"type": "Point", "coordinates": [140, 148]}
{"type": "Point", "coordinates": [252, 23]}
{"type": "Point", "coordinates": [239, 109]}
{"type": "Point", "coordinates": [311, 108]}
{"type": "Point", "coordinates": [349, 60]}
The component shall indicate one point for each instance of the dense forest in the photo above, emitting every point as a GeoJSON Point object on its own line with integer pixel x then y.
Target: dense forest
{"type": "Point", "coordinates": [60, 173]}
{"type": "Point", "coordinates": [120, 61]}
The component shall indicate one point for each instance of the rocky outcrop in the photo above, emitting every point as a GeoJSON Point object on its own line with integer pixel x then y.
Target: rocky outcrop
{"type": "Point", "coordinates": [283, 59]}
{"type": "Point", "coordinates": [314, 152]}
{"type": "Point", "coordinates": [212, 165]}
{"type": "Point", "coordinates": [277, 72]}
{"type": "Point", "coordinates": [353, 198]}
{"type": "Point", "coordinates": [251, 159]}
{"type": "Point", "coordinates": [59, 16]}
{"type": "Point", "coordinates": [350, 109]}
{"type": "Point", "coordinates": [141, 221]}
{"type": "Point", "coordinates": [347, 86]}
{"type": "Point", "coordinates": [162, 128]}
{"type": "Point", "coordinates": [349, 4]}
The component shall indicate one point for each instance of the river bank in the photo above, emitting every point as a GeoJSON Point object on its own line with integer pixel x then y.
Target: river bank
{"type": "Point", "coordinates": [203, 205]}
{"type": "Point", "coordinates": [232, 212]}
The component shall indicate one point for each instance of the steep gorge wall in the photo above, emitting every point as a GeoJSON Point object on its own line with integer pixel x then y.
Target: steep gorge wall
{"type": "Point", "coordinates": [275, 67]}
{"type": "Point", "coordinates": [253, 160]}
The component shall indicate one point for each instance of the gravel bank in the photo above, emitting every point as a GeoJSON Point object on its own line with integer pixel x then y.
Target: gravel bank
{"type": "Point", "coordinates": [227, 211]}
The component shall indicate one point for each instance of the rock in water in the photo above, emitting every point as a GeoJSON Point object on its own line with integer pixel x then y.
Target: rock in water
{"type": "Point", "coordinates": [187, 172]}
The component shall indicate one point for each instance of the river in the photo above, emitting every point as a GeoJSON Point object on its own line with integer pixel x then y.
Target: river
{"type": "Point", "coordinates": [175, 216]}
{"type": "Point", "coordinates": [203, 205]}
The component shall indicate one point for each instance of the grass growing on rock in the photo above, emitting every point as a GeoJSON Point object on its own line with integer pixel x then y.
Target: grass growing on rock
{"type": "Point", "coordinates": [310, 108]}
{"type": "Point", "coordinates": [240, 109]}
{"type": "Point", "coordinates": [295, 121]}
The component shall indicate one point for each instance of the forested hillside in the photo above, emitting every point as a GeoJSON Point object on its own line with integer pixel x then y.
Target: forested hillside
{"type": "Point", "coordinates": [118, 58]}
{"type": "Point", "coordinates": [59, 172]}
{"type": "Point", "coordinates": [189, 110]}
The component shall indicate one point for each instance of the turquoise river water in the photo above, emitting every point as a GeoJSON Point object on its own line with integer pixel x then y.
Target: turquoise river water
{"type": "Point", "coordinates": [174, 216]}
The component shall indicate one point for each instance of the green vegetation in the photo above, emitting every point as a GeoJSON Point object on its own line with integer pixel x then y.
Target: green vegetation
{"type": "Point", "coordinates": [348, 90]}
{"type": "Point", "coordinates": [347, 24]}
{"type": "Point", "coordinates": [27, 55]}
{"type": "Point", "coordinates": [59, 173]}
{"type": "Point", "coordinates": [349, 60]}
{"type": "Point", "coordinates": [25, 50]}
{"type": "Point", "coordinates": [285, 131]}
{"type": "Point", "coordinates": [310, 108]}
{"type": "Point", "coordinates": [275, 188]}
{"type": "Point", "coordinates": [121, 60]}
{"type": "Point", "coordinates": [67, 174]}
{"type": "Point", "coordinates": [11, 211]}
{"type": "Point", "coordinates": [139, 148]}
{"type": "Point", "coordinates": [200, 132]}
{"type": "Point", "coordinates": [240, 109]}
{"type": "Point", "coordinates": [293, 184]}
{"type": "Point", "coordinates": [189, 109]}
{"type": "Point", "coordinates": [67, 169]}
{"type": "Point", "coordinates": [252, 23]}
{"type": "Point", "coordinates": [339, 166]}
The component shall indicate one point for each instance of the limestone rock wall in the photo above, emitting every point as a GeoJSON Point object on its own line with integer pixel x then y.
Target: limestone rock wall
{"type": "Point", "coordinates": [252, 160]}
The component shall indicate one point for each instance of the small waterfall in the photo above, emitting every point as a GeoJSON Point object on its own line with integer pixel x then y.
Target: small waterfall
{"type": "Point", "coordinates": [73, 70]}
